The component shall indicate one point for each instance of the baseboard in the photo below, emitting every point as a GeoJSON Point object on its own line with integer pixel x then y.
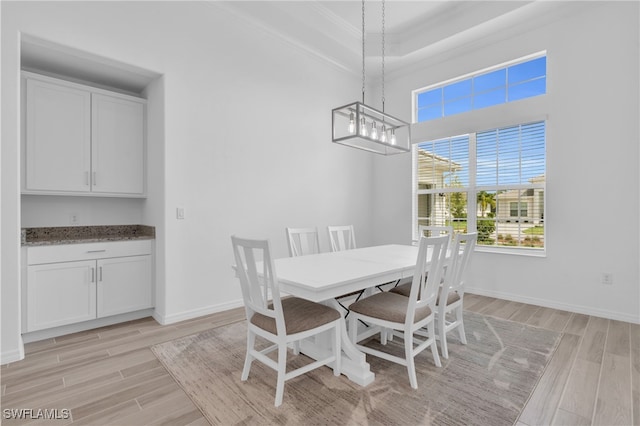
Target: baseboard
{"type": "Point", "coordinates": [49, 333]}
{"type": "Point", "coordinates": [195, 313]}
{"type": "Point", "coordinates": [586, 310]}
{"type": "Point", "coordinates": [12, 355]}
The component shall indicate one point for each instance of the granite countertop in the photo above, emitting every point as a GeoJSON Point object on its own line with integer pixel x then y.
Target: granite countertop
{"type": "Point", "coordinates": [85, 234]}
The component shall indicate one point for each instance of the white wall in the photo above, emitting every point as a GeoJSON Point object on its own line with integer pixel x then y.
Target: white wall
{"type": "Point", "coordinates": [11, 341]}
{"type": "Point", "coordinates": [592, 167]}
{"type": "Point", "coordinates": [241, 139]}
{"type": "Point", "coordinates": [48, 210]}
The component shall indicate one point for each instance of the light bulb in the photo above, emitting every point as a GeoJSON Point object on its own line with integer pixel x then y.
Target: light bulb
{"type": "Point", "coordinates": [374, 130]}
{"type": "Point", "coordinates": [363, 127]}
{"type": "Point", "coordinates": [352, 123]}
{"type": "Point", "coordinates": [383, 134]}
{"type": "Point", "coordinates": [393, 136]}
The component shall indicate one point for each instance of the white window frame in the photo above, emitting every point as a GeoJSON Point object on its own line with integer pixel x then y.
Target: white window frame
{"type": "Point", "coordinates": [472, 191]}
{"type": "Point", "coordinates": [508, 114]}
{"type": "Point", "coordinates": [507, 64]}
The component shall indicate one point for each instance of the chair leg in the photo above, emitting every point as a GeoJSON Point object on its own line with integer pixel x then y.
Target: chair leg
{"type": "Point", "coordinates": [296, 347]}
{"type": "Point", "coordinates": [337, 350]}
{"type": "Point", "coordinates": [251, 338]}
{"type": "Point", "coordinates": [442, 333]}
{"type": "Point", "coordinates": [282, 370]}
{"type": "Point", "coordinates": [434, 346]}
{"type": "Point", "coordinates": [460, 320]}
{"type": "Point", "coordinates": [408, 353]}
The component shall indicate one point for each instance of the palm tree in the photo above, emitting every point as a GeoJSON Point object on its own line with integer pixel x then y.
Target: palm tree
{"type": "Point", "coordinates": [486, 199]}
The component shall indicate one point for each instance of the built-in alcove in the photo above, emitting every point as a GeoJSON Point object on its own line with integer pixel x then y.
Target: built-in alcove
{"type": "Point", "coordinates": [99, 78]}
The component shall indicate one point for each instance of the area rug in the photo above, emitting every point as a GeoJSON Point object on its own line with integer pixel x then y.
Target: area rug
{"type": "Point", "coordinates": [486, 382]}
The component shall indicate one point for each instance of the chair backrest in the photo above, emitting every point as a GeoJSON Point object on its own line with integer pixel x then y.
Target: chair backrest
{"type": "Point", "coordinates": [435, 231]}
{"type": "Point", "coordinates": [432, 252]}
{"type": "Point", "coordinates": [258, 280]}
{"type": "Point", "coordinates": [341, 237]}
{"type": "Point", "coordinates": [463, 246]}
{"type": "Point", "coordinates": [303, 241]}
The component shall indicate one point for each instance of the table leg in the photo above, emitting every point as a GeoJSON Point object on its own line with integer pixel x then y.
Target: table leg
{"type": "Point", "coordinates": [354, 364]}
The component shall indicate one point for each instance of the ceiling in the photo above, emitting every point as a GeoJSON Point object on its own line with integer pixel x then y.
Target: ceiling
{"type": "Point", "coordinates": [413, 29]}
{"type": "Point", "coordinates": [331, 30]}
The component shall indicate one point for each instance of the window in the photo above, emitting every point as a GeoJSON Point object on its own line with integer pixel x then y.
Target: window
{"type": "Point", "coordinates": [491, 182]}
{"type": "Point", "coordinates": [442, 181]}
{"type": "Point", "coordinates": [517, 80]}
{"type": "Point", "coordinates": [517, 209]}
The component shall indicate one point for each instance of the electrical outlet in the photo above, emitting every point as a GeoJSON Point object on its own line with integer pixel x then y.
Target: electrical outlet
{"type": "Point", "coordinates": [180, 213]}
{"type": "Point", "coordinates": [607, 278]}
{"type": "Point", "coordinates": [73, 219]}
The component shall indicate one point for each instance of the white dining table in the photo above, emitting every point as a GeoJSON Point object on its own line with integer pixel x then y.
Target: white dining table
{"type": "Point", "coordinates": [326, 276]}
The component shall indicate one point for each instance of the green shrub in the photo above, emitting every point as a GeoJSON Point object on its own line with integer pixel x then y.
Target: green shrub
{"type": "Point", "coordinates": [485, 229]}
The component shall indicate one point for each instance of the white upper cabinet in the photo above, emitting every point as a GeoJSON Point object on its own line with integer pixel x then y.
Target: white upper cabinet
{"type": "Point", "coordinates": [58, 157]}
{"type": "Point", "coordinates": [117, 150]}
{"type": "Point", "coordinates": [80, 140]}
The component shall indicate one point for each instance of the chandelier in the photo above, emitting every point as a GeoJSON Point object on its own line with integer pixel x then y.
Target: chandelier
{"type": "Point", "coordinates": [361, 126]}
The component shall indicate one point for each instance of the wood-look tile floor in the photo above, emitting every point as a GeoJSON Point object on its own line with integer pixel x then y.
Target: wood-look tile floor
{"type": "Point", "coordinates": [110, 376]}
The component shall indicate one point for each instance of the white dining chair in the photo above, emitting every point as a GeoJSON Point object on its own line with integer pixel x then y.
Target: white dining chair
{"type": "Point", "coordinates": [280, 321]}
{"type": "Point", "coordinates": [406, 314]}
{"type": "Point", "coordinates": [341, 237]}
{"type": "Point", "coordinates": [451, 298]}
{"type": "Point", "coordinates": [426, 231]}
{"type": "Point", "coordinates": [303, 241]}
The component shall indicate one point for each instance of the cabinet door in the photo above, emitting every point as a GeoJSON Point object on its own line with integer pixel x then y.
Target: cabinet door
{"type": "Point", "coordinates": [60, 294]}
{"type": "Point", "coordinates": [117, 145]}
{"type": "Point", "coordinates": [124, 285]}
{"type": "Point", "coordinates": [58, 131]}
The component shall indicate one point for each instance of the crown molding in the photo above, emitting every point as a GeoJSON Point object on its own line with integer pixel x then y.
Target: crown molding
{"type": "Point", "coordinates": [314, 29]}
{"type": "Point", "coordinates": [311, 38]}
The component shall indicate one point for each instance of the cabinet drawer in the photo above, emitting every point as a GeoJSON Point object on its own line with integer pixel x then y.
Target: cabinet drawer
{"type": "Point", "coordinates": [87, 251]}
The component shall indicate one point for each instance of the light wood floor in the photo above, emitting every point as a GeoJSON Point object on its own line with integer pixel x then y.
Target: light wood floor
{"type": "Point", "coordinates": [110, 376]}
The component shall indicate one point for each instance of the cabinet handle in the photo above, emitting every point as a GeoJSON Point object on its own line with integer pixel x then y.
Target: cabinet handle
{"type": "Point", "coordinates": [93, 274]}
{"type": "Point", "coordinates": [100, 279]}
{"type": "Point", "coordinates": [96, 251]}
{"type": "Point", "coordinates": [94, 179]}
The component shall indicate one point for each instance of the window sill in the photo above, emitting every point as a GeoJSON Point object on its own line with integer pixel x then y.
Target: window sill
{"type": "Point", "coordinates": [520, 251]}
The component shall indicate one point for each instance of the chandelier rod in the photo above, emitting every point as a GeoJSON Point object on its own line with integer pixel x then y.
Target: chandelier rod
{"type": "Point", "coordinates": [363, 34]}
{"type": "Point", "coordinates": [383, 55]}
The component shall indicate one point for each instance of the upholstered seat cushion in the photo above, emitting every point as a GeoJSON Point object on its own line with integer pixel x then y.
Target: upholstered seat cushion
{"type": "Point", "coordinates": [388, 306]}
{"type": "Point", "coordinates": [402, 289]}
{"type": "Point", "coordinates": [405, 289]}
{"type": "Point", "coordinates": [299, 315]}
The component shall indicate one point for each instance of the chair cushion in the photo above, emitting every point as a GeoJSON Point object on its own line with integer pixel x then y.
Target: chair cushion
{"type": "Point", "coordinates": [402, 289]}
{"type": "Point", "coordinates": [299, 315]}
{"type": "Point", "coordinates": [405, 289]}
{"type": "Point", "coordinates": [451, 297]}
{"type": "Point", "coordinates": [388, 306]}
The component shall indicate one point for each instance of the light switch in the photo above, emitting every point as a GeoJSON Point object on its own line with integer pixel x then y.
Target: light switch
{"type": "Point", "coordinates": [180, 213]}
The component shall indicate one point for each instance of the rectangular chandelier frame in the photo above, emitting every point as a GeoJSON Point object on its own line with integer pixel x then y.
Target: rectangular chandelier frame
{"type": "Point", "coordinates": [360, 126]}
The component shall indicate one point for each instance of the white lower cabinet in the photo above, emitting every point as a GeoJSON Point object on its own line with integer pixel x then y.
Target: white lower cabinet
{"type": "Point", "coordinates": [72, 283]}
{"type": "Point", "coordinates": [123, 285]}
{"type": "Point", "coordinates": [60, 294]}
